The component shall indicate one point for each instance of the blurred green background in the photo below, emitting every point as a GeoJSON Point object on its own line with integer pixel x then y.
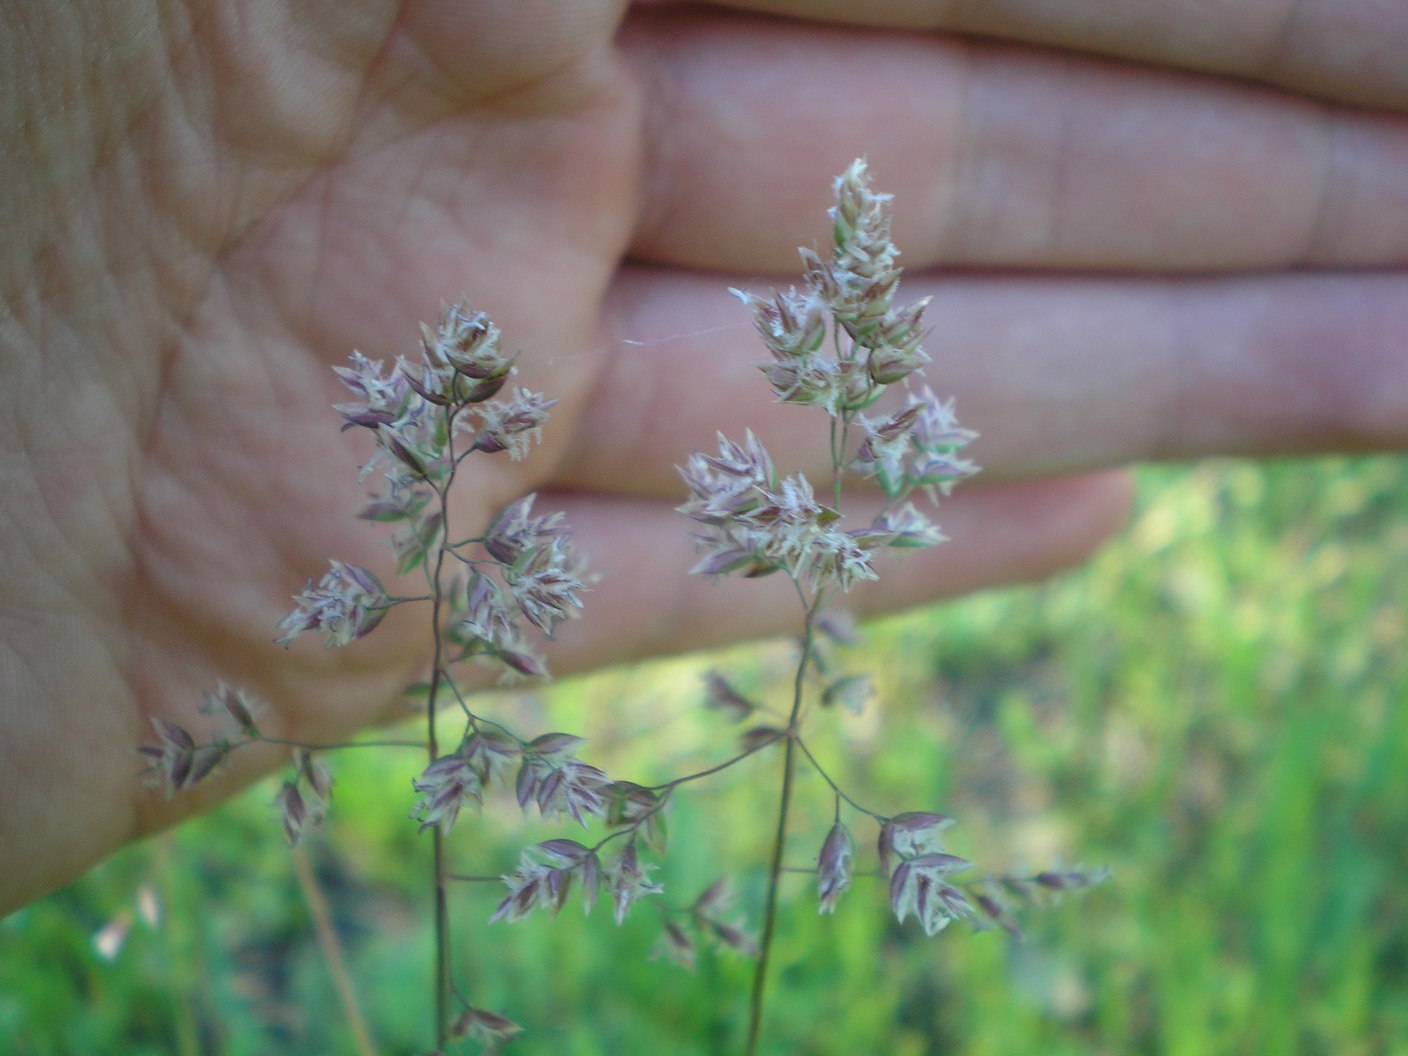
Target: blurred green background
{"type": "Point", "coordinates": [1216, 707]}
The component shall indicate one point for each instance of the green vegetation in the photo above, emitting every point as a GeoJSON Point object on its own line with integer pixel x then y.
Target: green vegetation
{"type": "Point", "coordinates": [1216, 707]}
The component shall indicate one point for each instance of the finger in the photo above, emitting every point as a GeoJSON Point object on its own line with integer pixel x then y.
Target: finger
{"type": "Point", "coordinates": [999, 156]}
{"type": "Point", "coordinates": [646, 604]}
{"type": "Point", "coordinates": [1350, 50]}
{"type": "Point", "coordinates": [1058, 375]}
{"type": "Point", "coordinates": [1078, 374]}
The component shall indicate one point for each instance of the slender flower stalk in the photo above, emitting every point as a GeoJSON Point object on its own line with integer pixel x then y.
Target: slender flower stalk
{"type": "Point", "coordinates": [432, 751]}
{"type": "Point", "coordinates": [779, 846]}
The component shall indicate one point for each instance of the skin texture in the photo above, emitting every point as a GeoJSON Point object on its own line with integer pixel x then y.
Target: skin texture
{"type": "Point", "coordinates": [1153, 234]}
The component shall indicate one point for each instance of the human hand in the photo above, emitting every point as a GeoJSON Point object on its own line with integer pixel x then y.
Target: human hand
{"type": "Point", "coordinates": [1132, 256]}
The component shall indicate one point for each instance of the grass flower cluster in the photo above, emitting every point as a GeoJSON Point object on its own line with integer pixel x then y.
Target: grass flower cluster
{"type": "Point", "coordinates": [840, 343]}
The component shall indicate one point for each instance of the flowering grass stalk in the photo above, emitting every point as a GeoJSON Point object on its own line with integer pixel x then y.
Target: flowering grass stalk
{"type": "Point", "coordinates": [484, 592]}
{"type": "Point", "coordinates": [839, 344]}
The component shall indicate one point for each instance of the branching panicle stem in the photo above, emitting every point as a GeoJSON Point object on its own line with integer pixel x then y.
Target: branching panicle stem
{"type": "Point", "coordinates": [839, 792]}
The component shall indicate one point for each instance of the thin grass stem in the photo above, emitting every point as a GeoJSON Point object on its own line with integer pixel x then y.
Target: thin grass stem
{"type": "Point", "coordinates": [784, 810]}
